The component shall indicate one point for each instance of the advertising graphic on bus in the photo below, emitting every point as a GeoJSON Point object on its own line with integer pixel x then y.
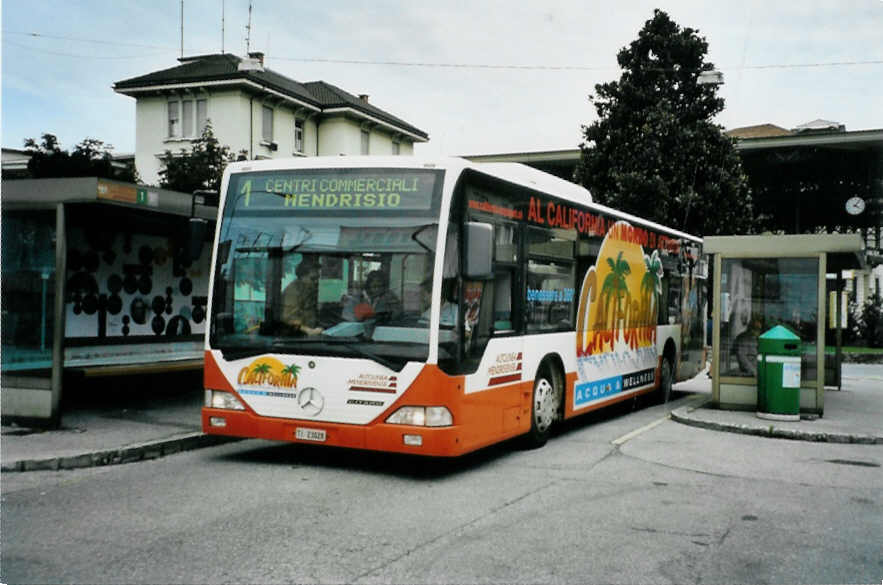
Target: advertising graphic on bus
{"type": "Point", "coordinates": [436, 307]}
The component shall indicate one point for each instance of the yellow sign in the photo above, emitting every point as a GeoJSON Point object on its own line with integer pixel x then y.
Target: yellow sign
{"type": "Point", "coordinates": [117, 192]}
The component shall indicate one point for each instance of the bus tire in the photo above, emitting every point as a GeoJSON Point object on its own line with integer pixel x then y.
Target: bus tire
{"type": "Point", "coordinates": [545, 406]}
{"type": "Point", "coordinates": [666, 379]}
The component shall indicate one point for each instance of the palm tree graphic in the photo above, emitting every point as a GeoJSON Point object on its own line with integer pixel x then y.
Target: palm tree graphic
{"type": "Point", "coordinates": [651, 284]}
{"type": "Point", "coordinates": [614, 287]}
{"type": "Point", "coordinates": [261, 370]}
{"type": "Point", "coordinates": [292, 371]}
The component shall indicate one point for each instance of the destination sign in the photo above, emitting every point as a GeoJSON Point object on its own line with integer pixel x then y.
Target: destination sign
{"type": "Point", "coordinates": [335, 190]}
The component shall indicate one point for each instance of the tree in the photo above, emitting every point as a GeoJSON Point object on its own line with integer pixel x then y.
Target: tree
{"type": "Point", "coordinates": [90, 158]}
{"type": "Point", "coordinates": [653, 151]}
{"type": "Point", "coordinates": [868, 324]}
{"type": "Point", "coordinates": [201, 167]}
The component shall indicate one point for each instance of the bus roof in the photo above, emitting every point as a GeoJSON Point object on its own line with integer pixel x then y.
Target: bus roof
{"type": "Point", "coordinates": [516, 173]}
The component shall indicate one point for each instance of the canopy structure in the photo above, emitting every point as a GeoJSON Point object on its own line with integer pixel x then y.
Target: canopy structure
{"type": "Point", "coordinates": [97, 279]}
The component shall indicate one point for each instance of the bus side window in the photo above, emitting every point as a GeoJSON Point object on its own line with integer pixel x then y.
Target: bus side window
{"type": "Point", "coordinates": [482, 329]}
{"type": "Point", "coordinates": [551, 279]}
{"type": "Point", "coordinates": [494, 311]}
{"type": "Point", "coordinates": [495, 314]}
{"type": "Point", "coordinates": [674, 299]}
{"type": "Point", "coordinates": [503, 303]}
{"type": "Point", "coordinates": [662, 306]}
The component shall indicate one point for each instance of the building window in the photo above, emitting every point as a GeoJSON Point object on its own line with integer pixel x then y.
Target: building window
{"type": "Point", "coordinates": [174, 119]}
{"type": "Point", "coordinates": [187, 118]}
{"type": "Point", "coordinates": [395, 148]}
{"type": "Point", "coordinates": [366, 141]}
{"type": "Point", "coordinates": [201, 116]}
{"type": "Point", "coordinates": [299, 136]}
{"type": "Point", "coordinates": [267, 128]}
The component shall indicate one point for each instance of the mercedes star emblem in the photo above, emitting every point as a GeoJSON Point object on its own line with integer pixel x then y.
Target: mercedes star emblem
{"type": "Point", "coordinates": [311, 401]}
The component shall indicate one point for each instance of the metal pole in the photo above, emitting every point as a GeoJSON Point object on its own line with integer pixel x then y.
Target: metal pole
{"type": "Point", "coordinates": [838, 298]}
{"type": "Point", "coordinates": [60, 309]}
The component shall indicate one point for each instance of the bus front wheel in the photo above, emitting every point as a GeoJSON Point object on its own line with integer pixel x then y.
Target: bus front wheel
{"type": "Point", "coordinates": [545, 407]}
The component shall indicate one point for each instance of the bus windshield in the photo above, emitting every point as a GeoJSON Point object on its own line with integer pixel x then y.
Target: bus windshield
{"type": "Point", "coordinates": [326, 262]}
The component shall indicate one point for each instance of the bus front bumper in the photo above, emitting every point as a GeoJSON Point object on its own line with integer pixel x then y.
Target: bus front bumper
{"type": "Point", "coordinates": [415, 440]}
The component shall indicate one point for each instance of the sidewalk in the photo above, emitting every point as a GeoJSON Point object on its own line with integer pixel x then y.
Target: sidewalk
{"type": "Point", "coordinates": [120, 425]}
{"type": "Point", "coordinates": [129, 425]}
{"type": "Point", "coordinates": [853, 414]}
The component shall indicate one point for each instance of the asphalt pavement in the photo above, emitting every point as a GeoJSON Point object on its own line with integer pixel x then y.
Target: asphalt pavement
{"type": "Point", "coordinates": [124, 424]}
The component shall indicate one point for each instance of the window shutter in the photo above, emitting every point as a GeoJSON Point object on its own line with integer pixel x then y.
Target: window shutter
{"type": "Point", "coordinates": [267, 130]}
{"type": "Point", "coordinates": [366, 139]}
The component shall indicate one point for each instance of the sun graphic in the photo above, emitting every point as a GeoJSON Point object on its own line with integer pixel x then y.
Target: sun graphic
{"type": "Point", "coordinates": [619, 297]}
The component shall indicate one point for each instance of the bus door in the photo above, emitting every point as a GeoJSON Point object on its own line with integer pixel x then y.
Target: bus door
{"type": "Point", "coordinates": [489, 303]}
{"type": "Point", "coordinates": [492, 329]}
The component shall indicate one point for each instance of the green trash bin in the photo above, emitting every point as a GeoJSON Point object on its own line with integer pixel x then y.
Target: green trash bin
{"type": "Point", "coordinates": [778, 375]}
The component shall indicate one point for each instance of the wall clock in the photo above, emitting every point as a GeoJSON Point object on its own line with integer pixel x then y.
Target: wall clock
{"type": "Point", "coordinates": [855, 205]}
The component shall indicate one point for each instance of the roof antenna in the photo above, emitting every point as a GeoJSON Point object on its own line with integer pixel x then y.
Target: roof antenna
{"type": "Point", "coordinates": [222, 26]}
{"type": "Point", "coordinates": [182, 29]}
{"type": "Point", "coordinates": [247, 30]}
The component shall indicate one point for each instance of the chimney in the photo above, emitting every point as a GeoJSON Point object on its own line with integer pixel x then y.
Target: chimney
{"type": "Point", "coordinates": [364, 97]}
{"type": "Point", "coordinates": [254, 62]}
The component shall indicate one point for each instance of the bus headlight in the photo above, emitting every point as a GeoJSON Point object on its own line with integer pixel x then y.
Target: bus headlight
{"type": "Point", "coordinates": [422, 416]}
{"type": "Point", "coordinates": [225, 400]}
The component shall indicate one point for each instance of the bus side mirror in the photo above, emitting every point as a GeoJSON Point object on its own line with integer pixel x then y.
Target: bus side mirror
{"type": "Point", "coordinates": [196, 229]}
{"type": "Point", "coordinates": [479, 250]}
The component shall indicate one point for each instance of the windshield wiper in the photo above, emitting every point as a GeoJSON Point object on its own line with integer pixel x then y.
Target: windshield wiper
{"type": "Point", "coordinates": [289, 241]}
{"type": "Point", "coordinates": [365, 353]}
{"type": "Point", "coordinates": [418, 232]}
{"type": "Point", "coordinates": [300, 344]}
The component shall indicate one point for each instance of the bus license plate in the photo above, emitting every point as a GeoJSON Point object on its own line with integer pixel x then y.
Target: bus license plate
{"type": "Point", "coordinates": [309, 434]}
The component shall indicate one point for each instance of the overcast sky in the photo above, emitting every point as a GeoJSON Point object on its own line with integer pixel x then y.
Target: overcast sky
{"type": "Point", "coordinates": [481, 76]}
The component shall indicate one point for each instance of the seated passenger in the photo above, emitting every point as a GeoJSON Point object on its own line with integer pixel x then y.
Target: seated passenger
{"type": "Point", "coordinates": [448, 308]}
{"type": "Point", "coordinates": [745, 347]}
{"type": "Point", "coordinates": [375, 302]}
{"type": "Point", "coordinates": [300, 306]}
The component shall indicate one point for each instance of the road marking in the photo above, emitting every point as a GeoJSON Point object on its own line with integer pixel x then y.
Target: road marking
{"type": "Point", "coordinates": [644, 429]}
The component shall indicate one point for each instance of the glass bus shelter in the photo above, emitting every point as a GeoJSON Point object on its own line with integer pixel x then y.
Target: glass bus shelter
{"type": "Point", "coordinates": [764, 281]}
{"type": "Point", "coordinates": [95, 279]}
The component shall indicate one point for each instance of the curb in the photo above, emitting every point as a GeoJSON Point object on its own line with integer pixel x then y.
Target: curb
{"type": "Point", "coordinates": [130, 454]}
{"type": "Point", "coordinates": [684, 415]}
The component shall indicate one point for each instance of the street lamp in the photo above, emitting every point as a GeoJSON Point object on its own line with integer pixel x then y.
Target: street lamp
{"type": "Point", "coordinates": [712, 77]}
{"type": "Point", "coordinates": [715, 78]}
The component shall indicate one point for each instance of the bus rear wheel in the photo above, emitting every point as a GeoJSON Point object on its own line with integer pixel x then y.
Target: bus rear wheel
{"type": "Point", "coordinates": [545, 407]}
{"type": "Point", "coordinates": [666, 376]}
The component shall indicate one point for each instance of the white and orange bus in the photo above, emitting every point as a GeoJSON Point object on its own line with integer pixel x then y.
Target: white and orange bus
{"type": "Point", "coordinates": [435, 306]}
